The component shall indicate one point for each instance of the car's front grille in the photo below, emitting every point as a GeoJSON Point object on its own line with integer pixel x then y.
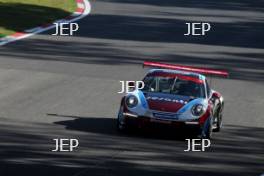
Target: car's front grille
{"type": "Point", "coordinates": [165, 115]}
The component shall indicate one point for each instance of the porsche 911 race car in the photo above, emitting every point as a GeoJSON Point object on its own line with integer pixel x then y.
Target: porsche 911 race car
{"type": "Point", "coordinates": [174, 94]}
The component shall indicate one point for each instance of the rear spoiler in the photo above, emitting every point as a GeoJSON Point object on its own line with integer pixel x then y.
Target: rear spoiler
{"type": "Point", "coordinates": [187, 68]}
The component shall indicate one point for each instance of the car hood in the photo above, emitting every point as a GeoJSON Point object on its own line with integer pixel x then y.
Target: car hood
{"type": "Point", "coordinates": [166, 102]}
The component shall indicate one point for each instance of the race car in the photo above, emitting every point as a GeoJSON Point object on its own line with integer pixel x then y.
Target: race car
{"type": "Point", "coordinates": [174, 95]}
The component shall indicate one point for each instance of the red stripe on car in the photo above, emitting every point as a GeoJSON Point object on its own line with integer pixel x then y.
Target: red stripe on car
{"type": "Point", "coordinates": [164, 105]}
{"type": "Point", "coordinates": [173, 75]}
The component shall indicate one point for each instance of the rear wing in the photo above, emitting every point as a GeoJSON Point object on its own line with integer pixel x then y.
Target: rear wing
{"type": "Point", "coordinates": [186, 68]}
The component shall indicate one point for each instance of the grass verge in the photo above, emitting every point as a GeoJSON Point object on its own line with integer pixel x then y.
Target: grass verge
{"type": "Point", "coordinates": [17, 15]}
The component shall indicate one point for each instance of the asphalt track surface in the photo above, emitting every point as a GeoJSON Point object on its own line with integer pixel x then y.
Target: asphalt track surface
{"type": "Point", "coordinates": [65, 87]}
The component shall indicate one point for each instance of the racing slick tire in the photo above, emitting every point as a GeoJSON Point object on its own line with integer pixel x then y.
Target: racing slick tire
{"type": "Point", "coordinates": [207, 129]}
{"type": "Point", "coordinates": [121, 124]}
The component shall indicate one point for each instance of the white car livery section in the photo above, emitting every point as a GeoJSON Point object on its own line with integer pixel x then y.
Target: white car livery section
{"type": "Point", "coordinates": [184, 113]}
{"type": "Point", "coordinates": [141, 108]}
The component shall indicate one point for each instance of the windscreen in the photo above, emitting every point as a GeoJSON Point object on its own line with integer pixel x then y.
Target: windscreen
{"type": "Point", "coordinates": [173, 85]}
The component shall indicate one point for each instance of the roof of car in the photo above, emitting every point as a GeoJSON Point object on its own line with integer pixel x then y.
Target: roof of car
{"type": "Point", "coordinates": [185, 73]}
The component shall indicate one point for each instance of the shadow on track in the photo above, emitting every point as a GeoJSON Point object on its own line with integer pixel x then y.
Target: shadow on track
{"type": "Point", "coordinates": [243, 66]}
{"type": "Point", "coordinates": [169, 30]}
{"type": "Point", "coordinates": [206, 4]}
{"type": "Point", "coordinates": [236, 151]}
{"type": "Point", "coordinates": [130, 39]}
{"type": "Point", "coordinates": [107, 126]}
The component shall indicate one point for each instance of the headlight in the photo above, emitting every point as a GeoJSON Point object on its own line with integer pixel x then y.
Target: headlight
{"type": "Point", "coordinates": [198, 110]}
{"type": "Point", "coordinates": [131, 101]}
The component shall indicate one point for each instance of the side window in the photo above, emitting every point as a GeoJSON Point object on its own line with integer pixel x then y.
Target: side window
{"type": "Point", "coordinates": [208, 89]}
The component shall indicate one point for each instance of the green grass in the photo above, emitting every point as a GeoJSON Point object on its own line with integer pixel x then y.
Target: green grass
{"type": "Point", "coordinates": [18, 15]}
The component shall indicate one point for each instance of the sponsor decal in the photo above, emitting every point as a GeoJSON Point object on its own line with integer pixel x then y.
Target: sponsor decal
{"type": "Point", "coordinates": [167, 99]}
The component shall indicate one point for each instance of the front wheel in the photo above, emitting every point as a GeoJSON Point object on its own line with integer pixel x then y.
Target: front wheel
{"type": "Point", "coordinates": [207, 129]}
{"type": "Point", "coordinates": [121, 125]}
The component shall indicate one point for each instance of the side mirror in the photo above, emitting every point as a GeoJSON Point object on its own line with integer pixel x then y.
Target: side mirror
{"type": "Point", "coordinates": [216, 95]}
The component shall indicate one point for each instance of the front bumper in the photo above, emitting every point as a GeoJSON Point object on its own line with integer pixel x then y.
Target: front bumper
{"type": "Point", "coordinates": [139, 120]}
